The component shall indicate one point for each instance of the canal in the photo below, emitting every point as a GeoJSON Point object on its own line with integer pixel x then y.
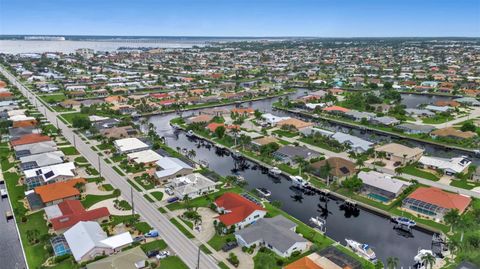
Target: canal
{"type": "Point", "coordinates": [361, 225]}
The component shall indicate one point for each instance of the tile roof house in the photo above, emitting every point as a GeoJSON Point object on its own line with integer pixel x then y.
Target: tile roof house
{"type": "Point", "coordinates": [238, 210]}
{"type": "Point", "coordinates": [277, 234]}
{"type": "Point", "coordinates": [296, 123]}
{"type": "Point", "coordinates": [313, 261]}
{"type": "Point", "coordinates": [29, 139]}
{"type": "Point", "coordinates": [400, 153]}
{"type": "Point", "coordinates": [453, 133]}
{"type": "Point", "coordinates": [339, 168]}
{"type": "Point", "coordinates": [133, 258]}
{"type": "Point", "coordinates": [87, 240]}
{"type": "Point", "coordinates": [337, 109]}
{"type": "Point", "coordinates": [55, 193]}
{"type": "Point", "coordinates": [434, 202]}
{"type": "Point", "coordinates": [64, 215]}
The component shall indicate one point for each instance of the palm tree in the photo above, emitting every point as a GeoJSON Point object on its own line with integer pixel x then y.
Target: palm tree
{"type": "Point", "coordinates": [428, 259]}
{"type": "Point", "coordinates": [186, 200]}
{"type": "Point", "coordinates": [302, 164]}
{"type": "Point", "coordinates": [192, 153]}
{"type": "Point", "coordinates": [452, 218]}
{"type": "Point", "coordinates": [392, 262]}
{"type": "Point", "coordinates": [360, 162]}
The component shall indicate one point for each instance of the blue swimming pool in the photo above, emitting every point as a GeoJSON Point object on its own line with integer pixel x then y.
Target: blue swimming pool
{"type": "Point", "coordinates": [378, 197]}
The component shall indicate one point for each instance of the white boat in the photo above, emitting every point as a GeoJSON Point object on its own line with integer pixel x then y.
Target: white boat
{"type": "Point", "coordinates": [275, 171]}
{"type": "Point", "coordinates": [363, 250]}
{"type": "Point", "coordinates": [404, 221]}
{"type": "Point", "coordinates": [299, 181]}
{"type": "Point", "coordinates": [319, 223]}
{"type": "Point", "coordinates": [420, 254]}
{"type": "Point", "coordinates": [264, 192]}
{"type": "Point", "coordinates": [240, 179]}
{"type": "Point", "coordinates": [476, 151]}
{"type": "Point", "coordinates": [190, 133]}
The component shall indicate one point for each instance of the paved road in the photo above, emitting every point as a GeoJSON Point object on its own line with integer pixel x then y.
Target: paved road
{"type": "Point", "coordinates": [176, 240]}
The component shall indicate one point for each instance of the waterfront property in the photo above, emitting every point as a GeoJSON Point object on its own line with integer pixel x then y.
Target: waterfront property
{"type": "Point", "coordinates": [170, 168]}
{"type": "Point", "coordinates": [381, 186]}
{"type": "Point", "coordinates": [356, 144]}
{"type": "Point", "coordinates": [238, 211]}
{"type": "Point", "coordinates": [133, 258]}
{"type": "Point", "coordinates": [435, 203]}
{"type": "Point", "coordinates": [288, 154]}
{"type": "Point", "coordinates": [48, 174]}
{"type": "Point", "coordinates": [449, 167]}
{"type": "Point", "coordinates": [191, 186]}
{"type": "Point", "coordinates": [54, 193]}
{"type": "Point", "coordinates": [129, 145]}
{"type": "Point", "coordinates": [277, 234]}
{"type": "Point", "coordinates": [398, 153]}
{"type": "Point", "coordinates": [335, 168]}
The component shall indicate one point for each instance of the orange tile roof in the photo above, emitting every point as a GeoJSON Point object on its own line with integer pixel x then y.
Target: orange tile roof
{"type": "Point", "coordinates": [441, 198]}
{"type": "Point", "coordinates": [5, 95]}
{"type": "Point", "coordinates": [239, 207]}
{"type": "Point", "coordinates": [30, 139]}
{"type": "Point", "coordinates": [336, 108]}
{"type": "Point", "coordinates": [213, 126]}
{"type": "Point", "coordinates": [299, 124]}
{"type": "Point", "coordinates": [24, 123]}
{"type": "Point", "coordinates": [303, 263]}
{"type": "Point", "coordinates": [247, 110]}
{"type": "Point", "coordinates": [59, 190]}
{"type": "Point", "coordinates": [74, 212]}
{"type": "Point", "coordinates": [3, 84]}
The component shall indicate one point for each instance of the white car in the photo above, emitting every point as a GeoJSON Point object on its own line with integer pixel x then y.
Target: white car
{"type": "Point", "coordinates": [169, 191]}
{"type": "Point", "coordinates": [163, 254]}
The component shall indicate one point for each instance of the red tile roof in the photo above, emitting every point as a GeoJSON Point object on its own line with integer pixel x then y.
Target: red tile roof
{"type": "Point", "coordinates": [59, 190]}
{"type": "Point", "coordinates": [30, 139]}
{"type": "Point", "coordinates": [441, 198]}
{"type": "Point", "coordinates": [213, 126]}
{"type": "Point", "coordinates": [239, 207]}
{"type": "Point", "coordinates": [73, 212]}
{"type": "Point", "coordinates": [336, 108]}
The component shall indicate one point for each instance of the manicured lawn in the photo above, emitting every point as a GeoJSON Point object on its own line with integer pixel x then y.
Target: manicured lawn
{"type": "Point", "coordinates": [53, 98]}
{"type": "Point", "coordinates": [36, 254]}
{"type": "Point", "coordinates": [285, 133]}
{"type": "Point", "coordinates": [15, 191]}
{"type": "Point", "coordinates": [70, 116]}
{"type": "Point", "coordinates": [468, 185]}
{"type": "Point", "coordinates": [134, 185]}
{"type": "Point", "coordinates": [154, 245]}
{"type": "Point", "coordinates": [172, 262]}
{"type": "Point", "coordinates": [203, 201]}
{"type": "Point", "coordinates": [182, 229]}
{"type": "Point", "coordinates": [146, 196]}
{"type": "Point", "coordinates": [222, 265]}
{"type": "Point", "coordinates": [145, 183]}
{"type": "Point", "coordinates": [6, 164]}
{"type": "Point", "coordinates": [162, 210]}
{"type": "Point", "coordinates": [158, 195]}
{"type": "Point", "coordinates": [81, 159]}
{"type": "Point", "coordinates": [437, 119]}
{"type": "Point", "coordinates": [96, 179]}
{"type": "Point", "coordinates": [414, 171]}
{"type": "Point", "coordinates": [265, 260]}
{"type": "Point", "coordinates": [218, 241]}
{"type": "Point", "coordinates": [93, 199]}
{"type": "Point", "coordinates": [69, 151]}
{"type": "Point", "coordinates": [124, 205]}
{"type": "Point", "coordinates": [143, 227]}
{"type": "Point", "coordinates": [91, 171]}
{"type": "Point", "coordinates": [320, 143]}
{"type": "Point", "coordinates": [107, 187]}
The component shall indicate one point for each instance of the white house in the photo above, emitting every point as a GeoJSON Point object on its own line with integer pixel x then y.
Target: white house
{"type": "Point", "coordinates": [192, 185]}
{"type": "Point", "coordinates": [128, 145]}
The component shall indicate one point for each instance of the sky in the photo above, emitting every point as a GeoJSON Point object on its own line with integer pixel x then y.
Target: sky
{"type": "Point", "coordinates": [264, 18]}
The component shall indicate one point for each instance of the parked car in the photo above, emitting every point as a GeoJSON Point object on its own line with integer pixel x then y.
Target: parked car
{"type": "Point", "coordinates": [163, 254]}
{"type": "Point", "coordinates": [169, 191]}
{"type": "Point", "coordinates": [173, 199]}
{"type": "Point", "coordinates": [229, 246]}
{"type": "Point", "coordinates": [152, 233]}
{"type": "Point", "coordinates": [138, 239]}
{"type": "Point", "coordinates": [152, 253]}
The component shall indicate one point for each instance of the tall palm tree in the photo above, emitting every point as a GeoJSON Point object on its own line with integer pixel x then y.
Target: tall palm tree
{"type": "Point", "coordinates": [452, 218]}
{"type": "Point", "coordinates": [427, 260]}
{"type": "Point", "coordinates": [392, 262]}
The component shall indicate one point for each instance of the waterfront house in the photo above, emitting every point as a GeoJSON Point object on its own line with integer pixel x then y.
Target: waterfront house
{"type": "Point", "coordinates": [313, 130]}
{"type": "Point", "coordinates": [129, 145]}
{"type": "Point", "coordinates": [469, 101]}
{"type": "Point", "coordinates": [336, 109]}
{"type": "Point", "coordinates": [387, 121]}
{"type": "Point", "coordinates": [272, 120]}
{"type": "Point", "coordinates": [358, 115]}
{"type": "Point", "coordinates": [288, 154]}
{"type": "Point", "coordinates": [400, 153]}
{"type": "Point", "coordinates": [452, 133]}
{"type": "Point", "coordinates": [34, 148]}
{"type": "Point", "coordinates": [257, 143]}
{"type": "Point", "coordinates": [119, 132]}
{"type": "Point", "coordinates": [356, 144]}
{"type": "Point", "coordinates": [145, 157]}
{"type": "Point", "coordinates": [67, 213]}
{"type": "Point", "coordinates": [295, 123]}
{"type": "Point", "coordinates": [449, 167]}
{"type": "Point", "coordinates": [319, 261]}
{"type": "Point", "coordinates": [202, 118]}
{"type": "Point", "coordinates": [54, 193]}
{"type": "Point", "coordinates": [170, 167]}
{"type": "Point", "coordinates": [435, 203]}
{"type": "Point", "coordinates": [192, 185]}
{"type": "Point", "coordinates": [48, 174]}
{"type": "Point", "coordinates": [87, 240]}
{"type": "Point", "coordinates": [238, 211]}
{"type": "Point", "coordinates": [381, 186]}
{"type": "Point", "coordinates": [277, 234]}
{"type": "Point", "coordinates": [440, 109]}
{"type": "Point", "coordinates": [411, 128]}
{"type": "Point", "coordinates": [133, 258]}
{"type": "Point", "coordinates": [419, 112]}
{"type": "Point", "coordinates": [335, 168]}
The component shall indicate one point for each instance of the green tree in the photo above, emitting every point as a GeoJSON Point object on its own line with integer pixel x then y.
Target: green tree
{"type": "Point", "coordinates": [428, 260]}
{"type": "Point", "coordinates": [468, 126]}
{"type": "Point", "coordinates": [220, 131]}
{"type": "Point", "coordinates": [452, 217]}
{"type": "Point", "coordinates": [392, 262]}
{"type": "Point", "coordinates": [81, 122]}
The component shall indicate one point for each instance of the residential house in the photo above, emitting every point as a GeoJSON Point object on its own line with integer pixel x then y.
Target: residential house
{"type": "Point", "coordinates": [277, 234]}
{"type": "Point", "coordinates": [192, 185]}
{"type": "Point", "coordinates": [129, 145]}
{"type": "Point", "coordinates": [313, 130]}
{"type": "Point", "coordinates": [358, 115]}
{"type": "Point", "coordinates": [146, 157]}
{"type": "Point", "coordinates": [411, 128]}
{"type": "Point", "coordinates": [272, 120]}
{"type": "Point", "coordinates": [16, 133]}
{"type": "Point", "coordinates": [67, 213]}
{"type": "Point", "coordinates": [435, 203]}
{"type": "Point", "coordinates": [440, 109]}
{"type": "Point", "coordinates": [419, 112]}
{"type": "Point", "coordinates": [400, 153]}
{"type": "Point", "coordinates": [54, 193]}
{"type": "Point", "coordinates": [257, 143]}
{"type": "Point", "coordinates": [385, 120]}
{"type": "Point", "coordinates": [49, 174]}
{"type": "Point", "coordinates": [202, 118]}
{"type": "Point", "coordinates": [381, 186]}
{"type": "Point", "coordinates": [238, 211]}
{"type": "Point", "coordinates": [356, 144]}
{"type": "Point", "coordinates": [41, 160]}
{"type": "Point", "coordinates": [119, 132]}
{"type": "Point", "coordinates": [87, 240]}
{"type": "Point", "coordinates": [295, 123]}
{"type": "Point", "coordinates": [337, 168]}
{"type": "Point", "coordinates": [449, 167]}
{"type": "Point", "coordinates": [29, 139]}
{"type": "Point", "coordinates": [133, 258]}
{"type": "Point", "coordinates": [288, 154]}
{"type": "Point", "coordinates": [34, 148]}
{"type": "Point", "coordinates": [169, 168]}
{"type": "Point", "coordinates": [452, 133]}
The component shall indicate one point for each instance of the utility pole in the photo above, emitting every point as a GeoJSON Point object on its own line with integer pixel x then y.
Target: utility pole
{"type": "Point", "coordinates": [74, 141]}
{"type": "Point", "coordinates": [99, 166]}
{"type": "Point", "coordinates": [198, 259]}
{"type": "Point", "coordinates": [131, 199]}
{"type": "Point", "coordinates": [56, 120]}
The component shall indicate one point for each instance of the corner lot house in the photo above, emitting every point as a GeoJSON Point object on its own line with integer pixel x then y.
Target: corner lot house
{"type": "Point", "coordinates": [381, 186]}
{"type": "Point", "coordinates": [238, 210]}
{"type": "Point", "coordinates": [277, 234]}
{"type": "Point", "coordinates": [448, 166]}
{"type": "Point", "coordinates": [433, 202]}
{"type": "Point", "coordinates": [128, 145]}
{"type": "Point", "coordinates": [169, 168]}
{"type": "Point", "coordinates": [400, 153]}
{"type": "Point", "coordinates": [192, 185]}
{"type": "Point", "coordinates": [87, 240]}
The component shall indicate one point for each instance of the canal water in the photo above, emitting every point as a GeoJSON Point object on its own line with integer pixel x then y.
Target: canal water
{"type": "Point", "coordinates": [415, 100]}
{"type": "Point", "coordinates": [361, 225]}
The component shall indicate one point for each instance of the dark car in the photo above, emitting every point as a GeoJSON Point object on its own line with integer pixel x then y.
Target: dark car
{"type": "Point", "coordinates": [152, 253]}
{"type": "Point", "coordinates": [229, 246]}
{"type": "Point", "coordinates": [172, 200]}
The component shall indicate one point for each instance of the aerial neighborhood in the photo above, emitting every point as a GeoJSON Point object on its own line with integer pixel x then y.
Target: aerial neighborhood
{"type": "Point", "coordinates": [296, 154]}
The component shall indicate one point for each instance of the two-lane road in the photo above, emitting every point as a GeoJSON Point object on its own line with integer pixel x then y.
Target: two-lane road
{"type": "Point", "coordinates": [176, 240]}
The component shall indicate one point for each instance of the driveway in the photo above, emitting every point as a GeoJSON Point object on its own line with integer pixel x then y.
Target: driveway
{"type": "Point", "coordinates": [111, 208]}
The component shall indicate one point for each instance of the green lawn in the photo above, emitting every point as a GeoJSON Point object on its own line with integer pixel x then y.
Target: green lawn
{"type": "Point", "coordinates": [145, 183]}
{"type": "Point", "coordinates": [285, 133]}
{"type": "Point", "coordinates": [134, 185]}
{"type": "Point", "coordinates": [93, 199]}
{"type": "Point", "coordinates": [36, 254]}
{"type": "Point", "coordinates": [203, 201]}
{"type": "Point", "coordinates": [107, 187]}
{"type": "Point", "coordinates": [118, 171]}
{"type": "Point", "coordinates": [154, 245]}
{"type": "Point", "coordinates": [172, 262]}
{"type": "Point", "coordinates": [222, 265]}
{"type": "Point", "coordinates": [146, 196]}
{"type": "Point", "coordinates": [69, 151]}
{"type": "Point", "coordinates": [158, 195]}
{"type": "Point", "coordinates": [182, 229]}
{"type": "Point", "coordinates": [70, 116]}
{"type": "Point", "coordinates": [218, 241]}
{"type": "Point", "coordinates": [464, 184]}
{"type": "Point", "coordinates": [414, 171]}
{"type": "Point", "coordinates": [53, 98]}
{"type": "Point", "coordinates": [81, 159]}
{"type": "Point", "coordinates": [320, 144]}
{"type": "Point", "coordinates": [265, 260]}
{"type": "Point", "coordinates": [143, 227]}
